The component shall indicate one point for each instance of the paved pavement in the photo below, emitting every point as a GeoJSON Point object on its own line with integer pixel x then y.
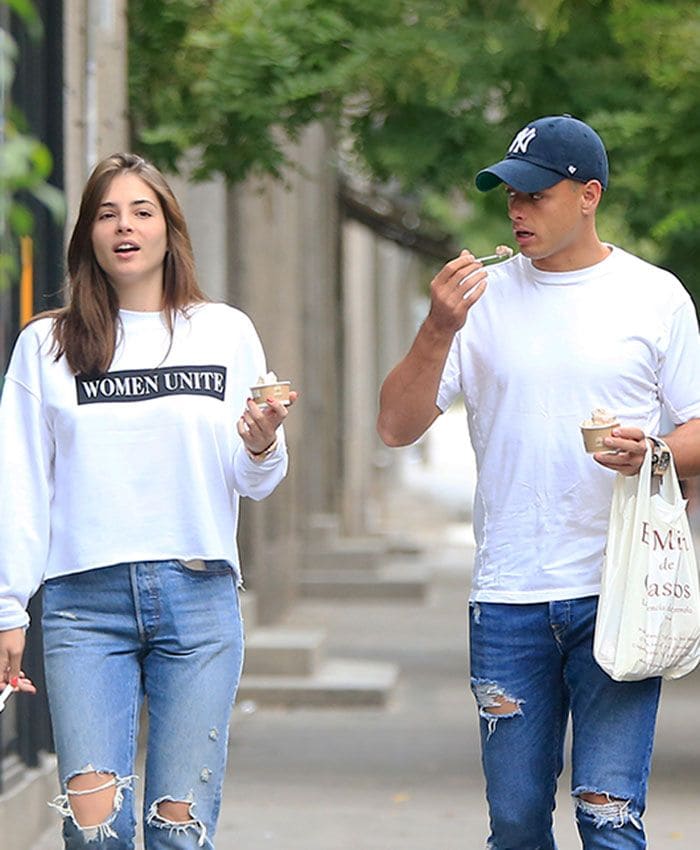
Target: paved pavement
{"type": "Point", "coordinates": [407, 777]}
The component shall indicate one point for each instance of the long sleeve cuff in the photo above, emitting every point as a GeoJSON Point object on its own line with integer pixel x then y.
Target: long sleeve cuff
{"type": "Point", "coordinates": [12, 615]}
{"type": "Point", "coordinates": [256, 479]}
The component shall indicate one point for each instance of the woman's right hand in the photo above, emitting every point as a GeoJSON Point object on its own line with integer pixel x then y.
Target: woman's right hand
{"type": "Point", "coordinates": [11, 651]}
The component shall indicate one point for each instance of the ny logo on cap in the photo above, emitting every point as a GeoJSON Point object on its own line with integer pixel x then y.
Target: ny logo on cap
{"type": "Point", "coordinates": [522, 140]}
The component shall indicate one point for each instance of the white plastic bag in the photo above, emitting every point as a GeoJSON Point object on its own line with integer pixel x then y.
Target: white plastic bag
{"type": "Point", "coordinates": [648, 621]}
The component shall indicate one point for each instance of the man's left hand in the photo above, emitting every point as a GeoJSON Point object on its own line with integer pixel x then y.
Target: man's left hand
{"type": "Point", "coordinates": [629, 446]}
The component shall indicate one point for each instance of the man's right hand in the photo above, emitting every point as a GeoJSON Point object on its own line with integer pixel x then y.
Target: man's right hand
{"type": "Point", "coordinates": [454, 291]}
{"type": "Point", "coordinates": [408, 398]}
{"type": "Point", "coordinates": [11, 651]}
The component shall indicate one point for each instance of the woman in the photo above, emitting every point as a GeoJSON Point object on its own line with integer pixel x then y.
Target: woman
{"type": "Point", "coordinates": [117, 433]}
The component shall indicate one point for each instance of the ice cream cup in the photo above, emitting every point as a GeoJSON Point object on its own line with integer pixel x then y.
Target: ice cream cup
{"type": "Point", "coordinates": [593, 436]}
{"type": "Point", "coordinates": [279, 391]}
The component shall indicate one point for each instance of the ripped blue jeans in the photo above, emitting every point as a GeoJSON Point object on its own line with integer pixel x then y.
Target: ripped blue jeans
{"type": "Point", "coordinates": [166, 631]}
{"type": "Point", "coordinates": [534, 665]}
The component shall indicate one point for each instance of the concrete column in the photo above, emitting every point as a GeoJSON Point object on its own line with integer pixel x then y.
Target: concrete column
{"type": "Point", "coordinates": [395, 292]}
{"type": "Point", "coordinates": [283, 271]}
{"type": "Point", "coordinates": [321, 328]}
{"type": "Point", "coordinates": [278, 256]}
{"type": "Point", "coordinates": [397, 269]}
{"type": "Point", "coordinates": [264, 276]}
{"type": "Point", "coordinates": [401, 301]}
{"type": "Point", "coordinates": [360, 375]}
{"type": "Point", "coordinates": [205, 206]}
{"type": "Point", "coordinates": [95, 103]}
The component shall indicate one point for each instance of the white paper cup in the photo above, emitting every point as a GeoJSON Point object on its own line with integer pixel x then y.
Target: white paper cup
{"type": "Point", "coordinates": [593, 436]}
{"type": "Point", "coordinates": [278, 391]}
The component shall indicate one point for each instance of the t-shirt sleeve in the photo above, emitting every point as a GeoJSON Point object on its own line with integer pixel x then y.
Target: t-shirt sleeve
{"type": "Point", "coordinates": [26, 483]}
{"type": "Point", "coordinates": [679, 373]}
{"type": "Point", "coordinates": [450, 382]}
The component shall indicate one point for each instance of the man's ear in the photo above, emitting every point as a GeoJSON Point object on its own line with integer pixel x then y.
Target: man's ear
{"type": "Point", "coordinates": [590, 196]}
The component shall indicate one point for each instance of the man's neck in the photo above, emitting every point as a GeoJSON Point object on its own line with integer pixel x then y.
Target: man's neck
{"type": "Point", "coordinates": [577, 256]}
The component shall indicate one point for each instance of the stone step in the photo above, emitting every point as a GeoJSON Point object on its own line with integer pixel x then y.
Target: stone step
{"type": "Point", "coordinates": [336, 683]}
{"type": "Point", "coordinates": [283, 652]}
{"type": "Point", "coordinates": [400, 581]}
{"type": "Point", "coordinates": [357, 552]}
{"type": "Point", "coordinates": [346, 553]}
{"type": "Point", "coordinates": [323, 528]}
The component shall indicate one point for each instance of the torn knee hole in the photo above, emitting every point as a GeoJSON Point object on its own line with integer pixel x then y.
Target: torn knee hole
{"type": "Point", "coordinates": [177, 816]}
{"type": "Point", "coordinates": [493, 699]}
{"type": "Point", "coordinates": [174, 811]}
{"type": "Point", "coordinates": [494, 703]}
{"type": "Point", "coordinates": [92, 800]}
{"type": "Point", "coordinates": [90, 782]}
{"type": "Point", "coordinates": [599, 799]}
{"type": "Point", "coordinates": [501, 705]}
{"type": "Point", "coordinates": [92, 797]}
{"type": "Point", "coordinates": [607, 810]}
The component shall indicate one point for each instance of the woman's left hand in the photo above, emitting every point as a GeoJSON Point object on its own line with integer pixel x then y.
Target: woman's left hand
{"type": "Point", "coordinates": [257, 425]}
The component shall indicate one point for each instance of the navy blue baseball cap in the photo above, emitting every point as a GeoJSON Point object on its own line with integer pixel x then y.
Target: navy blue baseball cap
{"type": "Point", "coordinates": [558, 147]}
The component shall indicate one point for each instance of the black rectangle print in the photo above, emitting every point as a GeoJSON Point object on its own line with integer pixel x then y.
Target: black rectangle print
{"type": "Point", "coordinates": [145, 384]}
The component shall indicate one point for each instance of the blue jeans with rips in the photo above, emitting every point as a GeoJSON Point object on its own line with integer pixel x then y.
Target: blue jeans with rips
{"type": "Point", "coordinates": [165, 631]}
{"type": "Point", "coordinates": [536, 662]}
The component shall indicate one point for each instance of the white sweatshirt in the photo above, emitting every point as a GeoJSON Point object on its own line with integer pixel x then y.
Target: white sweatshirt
{"type": "Point", "coordinates": [144, 463]}
{"type": "Point", "coordinates": [538, 352]}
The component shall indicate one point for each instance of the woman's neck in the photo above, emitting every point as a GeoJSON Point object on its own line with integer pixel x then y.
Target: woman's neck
{"type": "Point", "coordinates": [141, 299]}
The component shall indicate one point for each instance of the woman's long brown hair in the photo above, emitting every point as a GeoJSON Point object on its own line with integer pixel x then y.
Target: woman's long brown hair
{"type": "Point", "coordinates": [85, 330]}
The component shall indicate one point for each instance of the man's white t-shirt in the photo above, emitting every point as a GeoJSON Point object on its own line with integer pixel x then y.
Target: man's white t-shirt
{"type": "Point", "coordinates": [538, 352]}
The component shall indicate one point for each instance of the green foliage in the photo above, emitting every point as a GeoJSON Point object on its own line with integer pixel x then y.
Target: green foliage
{"type": "Point", "coordinates": [25, 163]}
{"type": "Point", "coordinates": [426, 92]}
{"type": "Point", "coordinates": [656, 138]}
{"type": "Point", "coordinates": [242, 76]}
{"type": "Point", "coordinates": [26, 11]}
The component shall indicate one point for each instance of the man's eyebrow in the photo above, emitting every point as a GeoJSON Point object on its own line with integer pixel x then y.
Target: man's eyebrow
{"type": "Point", "coordinates": [132, 204]}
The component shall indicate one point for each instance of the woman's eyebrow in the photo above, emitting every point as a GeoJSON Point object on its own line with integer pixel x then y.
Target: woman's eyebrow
{"type": "Point", "coordinates": [132, 203]}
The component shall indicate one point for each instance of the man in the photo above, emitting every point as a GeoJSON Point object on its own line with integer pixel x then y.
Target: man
{"type": "Point", "coordinates": [568, 325]}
